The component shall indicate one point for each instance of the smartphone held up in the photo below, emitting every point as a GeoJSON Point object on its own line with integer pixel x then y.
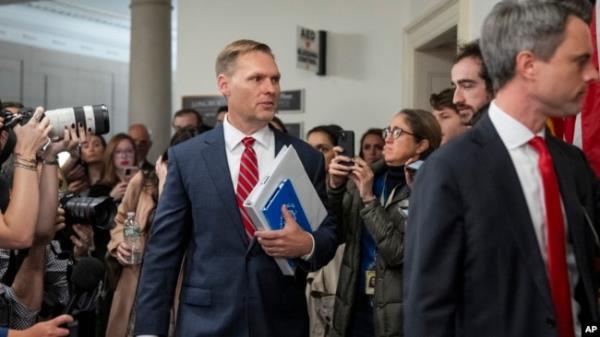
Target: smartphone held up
{"type": "Point", "coordinates": [345, 140]}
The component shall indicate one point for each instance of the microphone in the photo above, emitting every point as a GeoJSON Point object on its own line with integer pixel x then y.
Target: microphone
{"type": "Point", "coordinates": [86, 276]}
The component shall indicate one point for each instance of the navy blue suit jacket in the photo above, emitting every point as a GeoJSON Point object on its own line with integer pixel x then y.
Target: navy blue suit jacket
{"type": "Point", "coordinates": [473, 264]}
{"type": "Point", "coordinates": [230, 287]}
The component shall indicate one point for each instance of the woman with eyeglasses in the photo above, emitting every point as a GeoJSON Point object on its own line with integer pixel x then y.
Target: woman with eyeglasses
{"type": "Point", "coordinates": [370, 203]}
{"type": "Point", "coordinates": [119, 166]}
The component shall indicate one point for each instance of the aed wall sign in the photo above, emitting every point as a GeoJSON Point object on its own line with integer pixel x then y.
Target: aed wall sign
{"type": "Point", "coordinates": [311, 50]}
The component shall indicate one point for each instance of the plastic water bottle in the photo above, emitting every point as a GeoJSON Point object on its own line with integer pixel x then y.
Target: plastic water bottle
{"type": "Point", "coordinates": [133, 238]}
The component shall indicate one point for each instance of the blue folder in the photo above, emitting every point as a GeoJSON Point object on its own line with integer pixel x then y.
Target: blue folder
{"type": "Point", "coordinates": [285, 195]}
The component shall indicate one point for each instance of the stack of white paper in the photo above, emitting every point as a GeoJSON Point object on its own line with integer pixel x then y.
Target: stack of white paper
{"type": "Point", "coordinates": [287, 165]}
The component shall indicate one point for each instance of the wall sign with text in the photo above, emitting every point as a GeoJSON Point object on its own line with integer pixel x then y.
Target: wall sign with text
{"type": "Point", "coordinates": [206, 105]}
{"type": "Point", "coordinates": [311, 50]}
{"type": "Point", "coordinates": [291, 101]}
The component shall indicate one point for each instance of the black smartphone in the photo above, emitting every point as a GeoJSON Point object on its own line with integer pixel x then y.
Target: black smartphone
{"type": "Point", "coordinates": [345, 140]}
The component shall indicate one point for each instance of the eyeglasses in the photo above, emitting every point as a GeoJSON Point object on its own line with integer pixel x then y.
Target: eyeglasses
{"type": "Point", "coordinates": [395, 133]}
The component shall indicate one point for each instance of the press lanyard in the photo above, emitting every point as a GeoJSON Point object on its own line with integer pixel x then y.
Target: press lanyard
{"type": "Point", "coordinates": [385, 202]}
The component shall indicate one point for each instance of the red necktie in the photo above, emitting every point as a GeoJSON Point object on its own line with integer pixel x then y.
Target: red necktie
{"type": "Point", "coordinates": [246, 181]}
{"type": "Point", "coordinates": [557, 257]}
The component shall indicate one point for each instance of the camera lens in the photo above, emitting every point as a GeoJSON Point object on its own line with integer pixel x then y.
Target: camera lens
{"type": "Point", "coordinates": [93, 117]}
{"type": "Point", "coordinates": [97, 211]}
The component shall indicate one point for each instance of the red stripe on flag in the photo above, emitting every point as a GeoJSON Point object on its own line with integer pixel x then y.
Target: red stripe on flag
{"type": "Point", "coordinates": [590, 112]}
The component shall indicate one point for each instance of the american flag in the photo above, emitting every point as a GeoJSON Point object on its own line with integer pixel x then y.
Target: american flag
{"type": "Point", "coordinates": [584, 130]}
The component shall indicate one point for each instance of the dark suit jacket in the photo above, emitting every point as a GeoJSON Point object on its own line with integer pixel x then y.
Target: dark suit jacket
{"type": "Point", "coordinates": [473, 264]}
{"type": "Point", "coordinates": [230, 287]}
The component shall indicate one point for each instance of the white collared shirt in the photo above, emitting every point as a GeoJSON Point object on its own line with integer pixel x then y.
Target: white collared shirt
{"type": "Point", "coordinates": [264, 146]}
{"type": "Point", "coordinates": [515, 137]}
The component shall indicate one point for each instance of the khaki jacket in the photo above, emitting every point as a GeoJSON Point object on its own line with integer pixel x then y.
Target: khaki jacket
{"type": "Point", "coordinates": [140, 200]}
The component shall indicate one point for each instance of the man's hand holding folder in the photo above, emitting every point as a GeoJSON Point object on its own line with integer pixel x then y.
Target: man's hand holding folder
{"type": "Point", "coordinates": [286, 235]}
{"type": "Point", "coordinates": [290, 242]}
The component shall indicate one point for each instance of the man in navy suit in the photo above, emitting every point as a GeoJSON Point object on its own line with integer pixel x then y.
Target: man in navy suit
{"type": "Point", "coordinates": [231, 283]}
{"type": "Point", "coordinates": [500, 237]}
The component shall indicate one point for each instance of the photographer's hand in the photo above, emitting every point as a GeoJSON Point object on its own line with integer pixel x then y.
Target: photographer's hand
{"type": "Point", "coordinates": [49, 328]}
{"type": "Point", "coordinates": [338, 171]}
{"type": "Point", "coordinates": [83, 241]}
{"type": "Point", "coordinates": [362, 176]}
{"type": "Point", "coordinates": [76, 173]}
{"type": "Point", "coordinates": [72, 139]}
{"type": "Point", "coordinates": [118, 191]}
{"type": "Point", "coordinates": [78, 186]}
{"type": "Point", "coordinates": [33, 135]}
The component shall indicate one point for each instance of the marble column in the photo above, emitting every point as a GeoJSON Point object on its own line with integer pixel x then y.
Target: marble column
{"type": "Point", "coordinates": [150, 70]}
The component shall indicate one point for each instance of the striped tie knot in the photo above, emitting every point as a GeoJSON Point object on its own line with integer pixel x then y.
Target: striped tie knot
{"type": "Point", "coordinates": [248, 141]}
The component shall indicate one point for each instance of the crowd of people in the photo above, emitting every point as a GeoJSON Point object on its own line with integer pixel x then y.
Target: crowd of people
{"type": "Point", "coordinates": [467, 220]}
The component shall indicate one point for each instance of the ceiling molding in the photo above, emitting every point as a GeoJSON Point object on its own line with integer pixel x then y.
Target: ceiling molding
{"type": "Point", "coordinates": [97, 28]}
{"type": "Point", "coordinates": [61, 27]}
{"type": "Point", "coordinates": [79, 11]}
{"type": "Point", "coordinates": [9, 2]}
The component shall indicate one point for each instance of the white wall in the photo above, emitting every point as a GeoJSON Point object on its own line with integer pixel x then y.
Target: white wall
{"type": "Point", "coordinates": [363, 85]}
{"type": "Point", "coordinates": [479, 10]}
{"type": "Point", "coordinates": [364, 82]}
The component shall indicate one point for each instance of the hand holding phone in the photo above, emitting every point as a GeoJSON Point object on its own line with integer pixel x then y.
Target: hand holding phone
{"type": "Point", "coordinates": [129, 172]}
{"type": "Point", "coordinates": [345, 140]}
{"type": "Point", "coordinates": [410, 170]}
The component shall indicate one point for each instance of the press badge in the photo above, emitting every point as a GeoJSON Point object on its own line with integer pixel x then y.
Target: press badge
{"type": "Point", "coordinates": [370, 282]}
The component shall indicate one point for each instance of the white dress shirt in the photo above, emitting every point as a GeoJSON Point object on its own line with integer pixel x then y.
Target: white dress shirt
{"type": "Point", "coordinates": [515, 137]}
{"type": "Point", "coordinates": [264, 146]}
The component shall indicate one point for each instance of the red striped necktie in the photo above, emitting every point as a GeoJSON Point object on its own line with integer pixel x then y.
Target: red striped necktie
{"type": "Point", "coordinates": [555, 226]}
{"type": "Point", "coordinates": [247, 179]}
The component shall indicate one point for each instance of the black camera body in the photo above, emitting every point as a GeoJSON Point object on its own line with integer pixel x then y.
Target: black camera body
{"type": "Point", "coordinates": [92, 117]}
{"type": "Point", "coordinates": [97, 211]}
{"type": "Point", "coordinates": [11, 120]}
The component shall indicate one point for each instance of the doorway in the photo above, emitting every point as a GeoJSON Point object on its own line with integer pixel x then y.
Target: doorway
{"type": "Point", "coordinates": [429, 51]}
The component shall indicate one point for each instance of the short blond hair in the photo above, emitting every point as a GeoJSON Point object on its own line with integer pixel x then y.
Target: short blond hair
{"type": "Point", "coordinates": [229, 55]}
